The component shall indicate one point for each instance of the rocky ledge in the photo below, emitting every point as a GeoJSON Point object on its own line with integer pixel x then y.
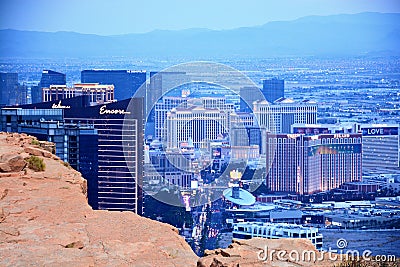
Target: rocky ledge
{"type": "Point", "coordinates": [261, 252]}
{"type": "Point", "coordinates": [45, 219]}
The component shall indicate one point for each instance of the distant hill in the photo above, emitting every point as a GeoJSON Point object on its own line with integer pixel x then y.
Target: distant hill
{"type": "Point", "coordinates": [344, 35]}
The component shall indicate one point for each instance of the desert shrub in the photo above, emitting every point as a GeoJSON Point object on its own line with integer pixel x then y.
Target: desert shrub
{"type": "Point", "coordinates": [35, 142]}
{"type": "Point", "coordinates": [36, 164]}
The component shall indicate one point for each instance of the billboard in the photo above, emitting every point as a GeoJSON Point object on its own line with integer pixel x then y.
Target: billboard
{"type": "Point", "coordinates": [310, 130]}
{"type": "Point", "coordinates": [377, 131]}
{"type": "Point", "coordinates": [330, 149]}
{"type": "Point", "coordinates": [216, 152]}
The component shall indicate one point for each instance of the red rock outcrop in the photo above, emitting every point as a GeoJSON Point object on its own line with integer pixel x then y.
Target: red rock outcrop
{"type": "Point", "coordinates": [261, 252]}
{"type": "Point", "coordinates": [12, 163]}
{"type": "Point", "coordinates": [45, 220]}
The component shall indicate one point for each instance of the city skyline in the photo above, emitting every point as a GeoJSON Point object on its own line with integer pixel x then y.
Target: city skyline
{"type": "Point", "coordinates": [225, 119]}
{"type": "Point", "coordinates": [94, 17]}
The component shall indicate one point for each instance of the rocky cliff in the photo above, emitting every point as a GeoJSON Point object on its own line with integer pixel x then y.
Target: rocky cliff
{"type": "Point", "coordinates": [45, 219]}
{"type": "Point", "coordinates": [261, 252]}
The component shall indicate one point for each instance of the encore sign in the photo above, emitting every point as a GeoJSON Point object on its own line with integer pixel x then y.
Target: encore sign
{"type": "Point", "coordinates": [104, 110]}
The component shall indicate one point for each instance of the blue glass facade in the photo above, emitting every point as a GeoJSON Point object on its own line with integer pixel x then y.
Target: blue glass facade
{"type": "Point", "coordinates": [126, 82]}
{"type": "Point", "coordinates": [117, 174]}
{"type": "Point", "coordinates": [89, 164]}
{"type": "Point", "coordinates": [50, 77]}
{"type": "Point", "coordinates": [273, 89]}
{"type": "Point", "coordinates": [8, 89]}
{"type": "Point", "coordinates": [36, 94]}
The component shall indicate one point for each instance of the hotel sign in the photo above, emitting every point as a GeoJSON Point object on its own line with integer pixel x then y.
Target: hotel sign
{"type": "Point", "coordinates": [104, 110]}
{"type": "Point", "coordinates": [331, 149]}
{"type": "Point", "coordinates": [59, 105]}
{"type": "Point", "coordinates": [376, 131]}
{"type": "Point", "coordinates": [310, 130]}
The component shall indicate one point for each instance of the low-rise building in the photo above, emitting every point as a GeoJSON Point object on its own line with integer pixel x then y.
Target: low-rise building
{"type": "Point", "coordinates": [97, 93]}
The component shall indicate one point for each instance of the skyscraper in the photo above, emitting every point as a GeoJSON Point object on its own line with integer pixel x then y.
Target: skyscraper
{"type": "Point", "coordinates": [36, 93]}
{"type": "Point", "coordinates": [50, 77]}
{"type": "Point", "coordinates": [160, 82]}
{"type": "Point", "coordinates": [22, 94]}
{"type": "Point", "coordinates": [91, 138]}
{"type": "Point", "coordinates": [306, 164]}
{"type": "Point", "coordinates": [166, 104]}
{"type": "Point", "coordinates": [247, 96]}
{"type": "Point", "coordinates": [167, 168]}
{"type": "Point", "coordinates": [381, 145]}
{"type": "Point", "coordinates": [197, 124]}
{"type": "Point", "coordinates": [126, 82]}
{"type": "Point", "coordinates": [9, 89]}
{"type": "Point", "coordinates": [248, 136]}
{"type": "Point", "coordinates": [273, 89]}
{"type": "Point", "coordinates": [279, 116]}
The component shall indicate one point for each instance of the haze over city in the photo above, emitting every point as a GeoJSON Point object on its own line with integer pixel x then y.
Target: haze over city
{"type": "Point", "coordinates": [105, 17]}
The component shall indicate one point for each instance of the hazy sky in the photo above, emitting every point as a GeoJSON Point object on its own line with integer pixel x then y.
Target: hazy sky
{"type": "Point", "coordinates": [107, 17]}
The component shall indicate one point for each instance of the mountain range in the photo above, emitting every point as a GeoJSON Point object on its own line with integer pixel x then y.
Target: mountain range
{"type": "Point", "coordinates": [335, 35]}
